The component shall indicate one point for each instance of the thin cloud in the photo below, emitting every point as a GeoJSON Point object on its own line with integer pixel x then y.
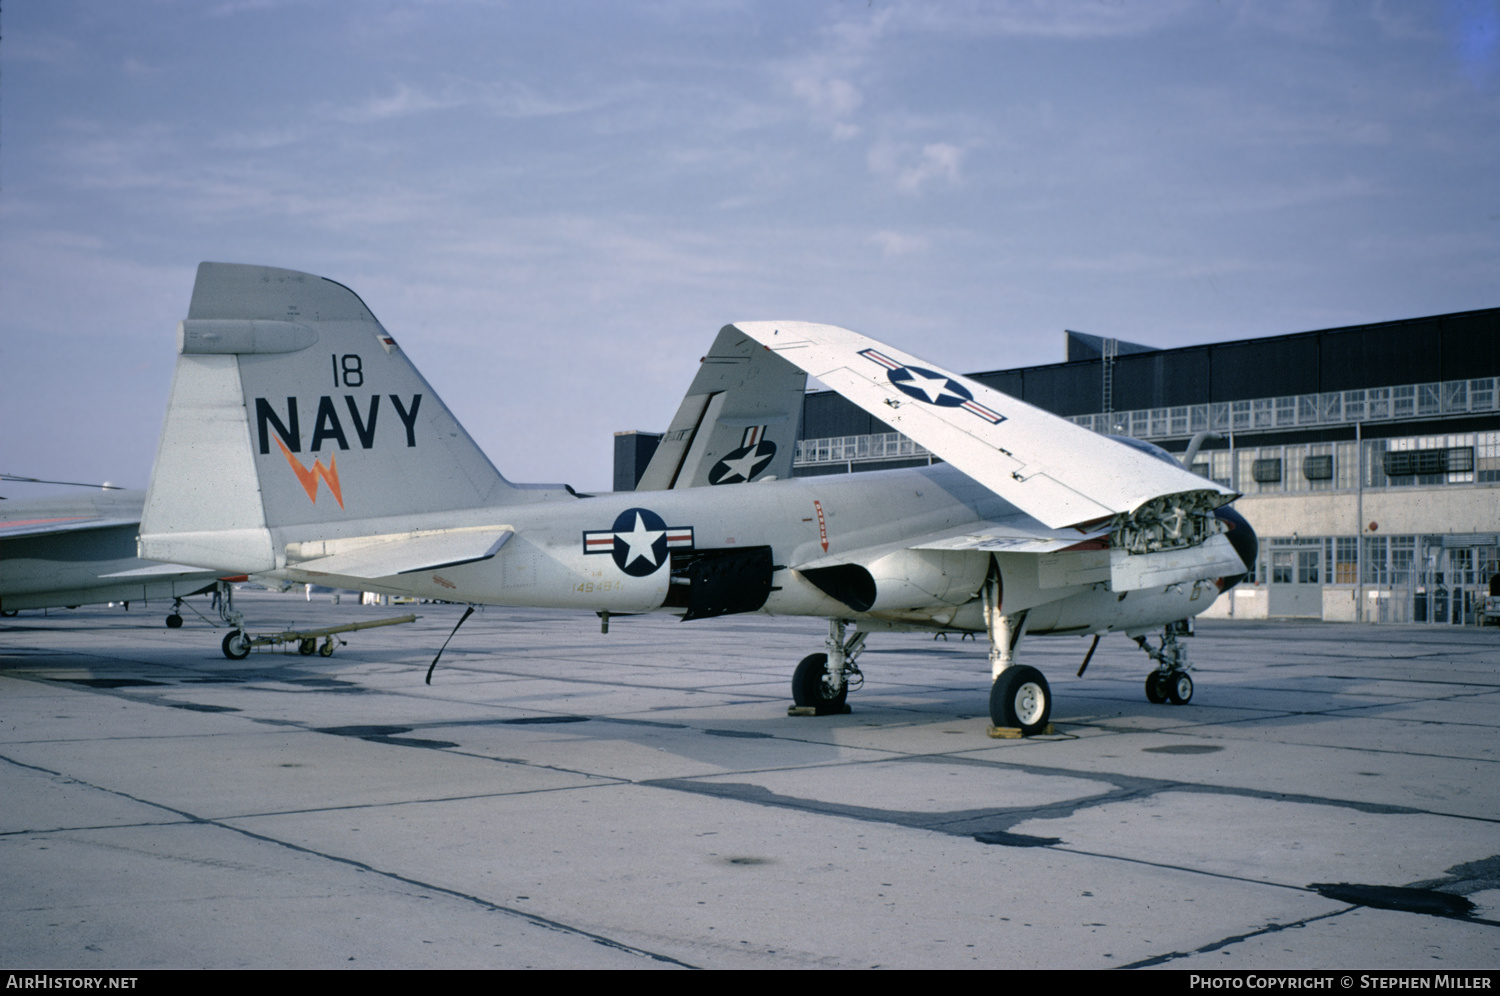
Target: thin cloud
{"type": "Point", "coordinates": [912, 171]}
{"type": "Point", "coordinates": [896, 244]}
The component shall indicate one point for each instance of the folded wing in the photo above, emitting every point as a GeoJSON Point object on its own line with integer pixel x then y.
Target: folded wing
{"type": "Point", "coordinates": [1060, 473]}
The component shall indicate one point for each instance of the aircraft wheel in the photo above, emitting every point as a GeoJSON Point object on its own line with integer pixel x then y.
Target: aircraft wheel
{"type": "Point", "coordinates": [9, 613]}
{"type": "Point", "coordinates": [1180, 688]}
{"type": "Point", "coordinates": [1020, 698]}
{"type": "Point", "coordinates": [307, 646]}
{"type": "Point", "coordinates": [1156, 689]}
{"type": "Point", "coordinates": [174, 621]}
{"type": "Point", "coordinates": [326, 649]}
{"type": "Point", "coordinates": [236, 645]}
{"type": "Point", "coordinates": [808, 688]}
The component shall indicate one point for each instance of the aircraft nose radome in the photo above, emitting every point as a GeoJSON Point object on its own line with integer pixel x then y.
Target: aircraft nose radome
{"type": "Point", "coordinates": [1242, 537]}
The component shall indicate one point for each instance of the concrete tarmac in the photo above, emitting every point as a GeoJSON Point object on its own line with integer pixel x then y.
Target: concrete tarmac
{"type": "Point", "coordinates": [562, 798]}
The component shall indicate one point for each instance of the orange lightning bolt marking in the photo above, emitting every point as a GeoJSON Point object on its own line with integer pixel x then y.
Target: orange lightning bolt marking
{"type": "Point", "coordinates": [308, 478]}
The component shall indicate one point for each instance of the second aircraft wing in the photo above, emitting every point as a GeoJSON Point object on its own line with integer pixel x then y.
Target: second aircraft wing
{"type": "Point", "coordinates": [1058, 472]}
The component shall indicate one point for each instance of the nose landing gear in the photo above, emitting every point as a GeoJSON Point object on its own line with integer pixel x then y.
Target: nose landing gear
{"type": "Point", "coordinates": [822, 681]}
{"type": "Point", "coordinates": [1170, 681]}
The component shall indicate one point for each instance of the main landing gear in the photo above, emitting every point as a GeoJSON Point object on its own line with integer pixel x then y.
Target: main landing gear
{"type": "Point", "coordinates": [236, 644]}
{"type": "Point", "coordinates": [1020, 698]}
{"type": "Point", "coordinates": [1170, 681]}
{"type": "Point", "coordinates": [823, 681]}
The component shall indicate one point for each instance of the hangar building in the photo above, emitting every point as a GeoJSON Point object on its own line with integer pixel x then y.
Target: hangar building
{"type": "Point", "coordinates": [1368, 456]}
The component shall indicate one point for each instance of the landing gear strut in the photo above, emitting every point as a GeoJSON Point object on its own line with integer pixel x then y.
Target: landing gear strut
{"type": "Point", "coordinates": [823, 681]}
{"type": "Point", "coordinates": [236, 645]}
{"type": "Point", "coordinates": [174, 619]}
{"type": "Point", "coordinates": [1020, 698]}
{"type": "Point", "coordinates": [1170, 681]}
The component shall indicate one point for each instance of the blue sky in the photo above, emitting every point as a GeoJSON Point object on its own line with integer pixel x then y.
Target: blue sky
{"type": "Point", "coordinates": [555, 206]}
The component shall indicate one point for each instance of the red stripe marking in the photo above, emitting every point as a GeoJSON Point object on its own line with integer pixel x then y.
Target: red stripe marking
{"type": "Point", "coordinates": [43, 522]}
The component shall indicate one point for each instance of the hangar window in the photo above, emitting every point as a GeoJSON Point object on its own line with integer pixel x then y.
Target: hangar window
{"type": "Point", "coordinates": [1428, 462]}
{"type": "Point", "coordinates": [1286, 411]}
{"type": "Point", "coordinates": [1377, 571]}
{"type": "Point", "coordinates": [1223, 466]}
{"type": "Point", "coordinates": [1345, 550]}
{"type": "Point", "coordinates": [1388, 559]}
{"type": "Point", "coordinates": [1263, 414]}
{"type": "Point", "coordinates": [1404, 401]}
{"type": "Point", "coordinates": [1403, 552]}
{"type": "Point", "coordinates": [1429, 399]}
{"type": "Point", "coordinates": [1307, 566]}
{"type": "Point", "coordinates": [1346, 465]}
{"type": "Point", "coordinates": [1488, 455]}
{"type": "Point", "coordinates": [1240, 415]}
{"type": "Point", "coordinates": [1281, 567]}
{"type": "Point", "coordinates": [1266, 471]}
{"type": "Point", "coordinates": [1318, 467]}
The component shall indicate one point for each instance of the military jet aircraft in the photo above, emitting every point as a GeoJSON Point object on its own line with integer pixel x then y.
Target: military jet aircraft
{"type": "Point", "coordinates": [301, 443]}
{"type": "Point", "coordinates": [81, 550]}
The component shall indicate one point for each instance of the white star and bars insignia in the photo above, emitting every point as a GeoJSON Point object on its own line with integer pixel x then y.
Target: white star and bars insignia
{"type": "Point", "coordinates": [931, 387]}
{"type": "Point", "coordinates": [749, 459]}
{"type": "Point", "coordinates": [639, 542]}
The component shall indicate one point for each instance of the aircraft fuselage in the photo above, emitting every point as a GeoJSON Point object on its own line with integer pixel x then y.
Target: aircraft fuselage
{"type": "Point", "coordinates": [620, 553]}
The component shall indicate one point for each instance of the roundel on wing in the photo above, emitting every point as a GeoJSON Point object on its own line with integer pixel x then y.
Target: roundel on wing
{"type": "Point", "coordinates": [930, 386]}
{"type": "Point", "coordinates": [742, 464]}
{"type": "Point", "coordinates": [640, 542]}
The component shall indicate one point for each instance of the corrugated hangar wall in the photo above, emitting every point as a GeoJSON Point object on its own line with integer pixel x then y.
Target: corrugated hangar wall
{"type": "Point", "coordinates": [1419, 350]}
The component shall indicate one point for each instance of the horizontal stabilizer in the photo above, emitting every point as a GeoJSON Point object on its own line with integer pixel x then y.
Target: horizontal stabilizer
{"type": "Point", "coordinates": [1058, 472]}
{"type": "Point", "coordinates": [48, 527]}
{"type": "Point", "coordinates": [155, 570]}
{"type": "Point", "coordinates": [401, 553]}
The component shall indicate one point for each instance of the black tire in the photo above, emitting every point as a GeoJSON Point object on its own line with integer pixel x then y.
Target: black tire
{"type": "Point", "coordinates": [307, 647]}
{"type": "Point", "coordinates": [1156, 689]}
{"type": "Point", "coordinates": [11, 613]}
{"type": "Point", "coordinates": [1021, 699]}
{"type": "Point", "coordinates": [326, 649]}
{"type": "Point", "coordinates": [808, 688]}
{"type": "Point", "coordinates": [236, 645]}
{"type": "Point", "coordinates": [174, 621]}
{"type": "Point", "coordinates": [1179, 688]}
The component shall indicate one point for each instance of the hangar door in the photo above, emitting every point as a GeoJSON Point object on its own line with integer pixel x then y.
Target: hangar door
{"type": "Point", "coordinates": [1295, 588]}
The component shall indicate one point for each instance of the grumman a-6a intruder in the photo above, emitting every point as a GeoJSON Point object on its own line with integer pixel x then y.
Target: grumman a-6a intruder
{"type": "Point", "coordinates": [301, 443]}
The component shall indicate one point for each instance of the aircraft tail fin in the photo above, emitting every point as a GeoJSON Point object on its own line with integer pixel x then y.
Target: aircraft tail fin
{"type": "Point", "coordinates": [291, 405]}
{"type": "Point", "coordinates": [737, 423]}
